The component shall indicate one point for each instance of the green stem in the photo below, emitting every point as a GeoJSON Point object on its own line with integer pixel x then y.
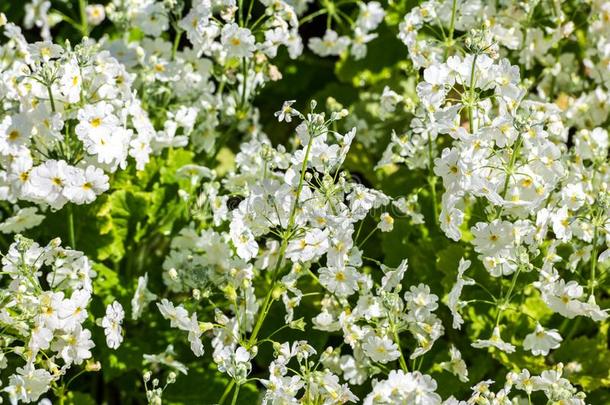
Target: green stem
{"type": "Point", "coordinates": [432, 180]}
{"type": "Point", "coordinates": [259, 322]}
{"type": "Point", "coordinates": [594, 261]}
{"type": "Point", "coordinates": [240, 6]}
{"type": "Point", "coordinates": [514, 282]}
{"type": "Point", "coordinates": [235, 395]}
{"type": "Point", "coordinates": [249, 15]}
{"type": "Point", "coordinates": [452, 23]}
{"type": "Point", "coordinates": [244, 64]}
{"type": "Point", "coordinates": [301, 180]}
{"type": "Point", "coordinates": [176, 43]}
{"type": "Point", "coordinates": [84, 25]}
{"type": "Point", "coordinates": [367, 237]}
{"type": "Point", "coordinates": [451, 27]}
{"type": "Point", "coordinates": [225, 394]}
{"type": "Point", "coordinates": [51, 99]}
{"type": "Point", "coordinates": [507, 298]}
{"type": "Point", "coordinates": [61, 395]}
{"type": "Point", "coordinates": [268, 298]}
{"type": "Point", "coordinates": [471, 91]}
{"type": "Point", "coordinates": [70, 212]}
{"type": "Point", "coordinates": [401, 360]}
{"type": "Point", "coordinates": [312, 16]}
{"type": "Point", "coordinates": [510, 170]}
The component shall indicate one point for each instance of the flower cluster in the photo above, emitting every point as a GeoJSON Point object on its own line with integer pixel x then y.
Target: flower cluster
{"type": "Point", "coordinates": [437, 233]}
{"type": "Point", "coordinates": [45, 297]}
{"type": "Point", "coordinates": [70, 119]}
{"type": "Point", "coordinates": [369, 17]}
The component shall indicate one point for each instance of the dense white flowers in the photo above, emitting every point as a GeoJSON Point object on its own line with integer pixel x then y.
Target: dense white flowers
{"type": "Point", "coordinates": [62, 137]}
{"type": "Point", "coordinates": [46, 293]}
{"type": "Point", "coordinates": [328, 259]}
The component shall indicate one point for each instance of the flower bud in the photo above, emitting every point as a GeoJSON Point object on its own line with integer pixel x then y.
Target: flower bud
{"type": "Point", "coordinates": [93, 366]}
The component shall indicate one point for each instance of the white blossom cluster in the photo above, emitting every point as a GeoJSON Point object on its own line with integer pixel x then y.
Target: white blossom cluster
{"type": "Point", "coordinates": [210, 84]}
{"type": "Point", "coordinates": [45, 298]}
{"type": "Point", "coordinates": [307, 210]}
{"type": "Point", "coordinates": [70, 119]}
{"type": "Point", "coordinates": [512, 156]}
{"type": "Point", "coordinates": [370, 15]}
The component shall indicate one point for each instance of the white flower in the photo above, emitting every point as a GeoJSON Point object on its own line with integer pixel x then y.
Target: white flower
{"type": "Point", "coordinates": [95, 14]}
{"type": "Point", "coordinates": [456, 365]}
{"type": "Point", "coordinates": [23, 219]}
{"type": "Point", "coordinates": [96, 121]}
{"type": "Point", "coordinates": [194, 336]}
{"type": "Point", "coordinates": [313, 245]}
{"type": "Point", "coordinates": [361, 38]}
{"type": "Point", "coordinates": [73, 347]}
{"type": "Point", "coordinates": [340, 281]}
{"type": "Point", "coordinates": [564, 298]}
{"type": "Point", "coordinates": [40, 338]}
{"type": "Point", "coordinates": [49, 179]}
{"type": "Point", "coordinates": [381, 349]}
{"type": "Point", "coordinates": [490, 238]}
{"type": "Point", "coordinates": [494, 341]}
{"type": "Point", "coordinates": [287, 112]}
{"type": "Point", "coordinates": [178, 316]}
{"type": "Point", "coordinates": [450, 220]}
{"type": "Point", "coordinates": [85, 185]}
{"type": "Point", "coordinates": [152, 18]}
{"type": "Point", "coordinates": [370, 16]}
{"type": "Point", "coordinates": [330, 44]}
{"type": "Point", "coordinates": [29, 384]}
{"type": "Point", "coordinates": [453, 299]}
{"type": "Point", "coordinates": [141, 297]}
{"type": "Point", "coordinates": [420, 301]}
{"type": "Point", "coordinates": [74, 312]}
{"type": "Point", "coordinates": [243, 239]}
{"type": "Point", "coordinates": [404, 388]}
{"type": "Point", "coordinates": [388, 101]}
{"type": "Point", "coordinates": [238, 42]}
{"type": "Point", "coordinates": [112, 324]}
{"type": "Point", "coordinates": [561, 221]}
{"type": "Point", "coordinates": [393, 277]}
{"type": "Point", "coordinates": [541, 341]}
{"type": "Point", "coordinates": [386, 222]}
{"type": "Point", "coordinates": [70, 83]}
{"type": "Point", "coordinates": [51, 307]}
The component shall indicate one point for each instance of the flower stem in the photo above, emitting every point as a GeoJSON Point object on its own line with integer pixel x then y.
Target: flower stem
{"type": "Point", "coordinates": [235, 395]}
{"type": "Point", "coordinates": [401, 360]}
{"type": "Point", "coordinates": [244, 69]}
{"type": "Point", "coordinates": [70, 212]}
{"type": "Point", "coordinates": [471, 92]}
{"type": "Point", "coordinates": [269, 297]}
{"type": "Point", "coordinates": [509, 170]}
{"type": "Point", "coordinates": [51, 100]}
{"type": "Point", "coordinates": [594, 261]}
{"type": "Point", "coordinates": [225, 394]}
{"type": "Point", "coordinates": [176, 43]}
{"type": "Point", "coordinates": [84, 26]}
{"type": "Point", "coordinates": [432, 180]}
{"type": "Point", "coordinates": [449, 41]}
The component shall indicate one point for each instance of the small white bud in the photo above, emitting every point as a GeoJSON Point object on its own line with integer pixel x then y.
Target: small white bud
{"type": "Point", "coordinates": [173, 274]}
